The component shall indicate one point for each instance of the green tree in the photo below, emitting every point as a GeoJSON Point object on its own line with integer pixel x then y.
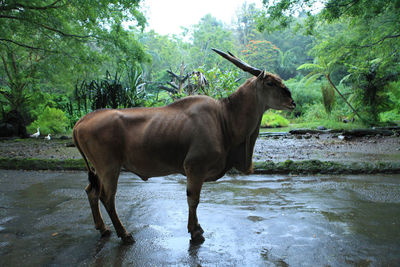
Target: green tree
{"type": "Point", "coordinates": [292, 45]}
{"type": "Point", "coordinates": [323, 69]}
{"type": "Point", "coordinates": [246, 24]}
{"type": "Point", "coordinates": [49, 44]}
{"type": "Point", "coordinates": [360, 38]}
{"type": "Point", "coordinates": [262, 53]}
{"type": "Point", "coordinates": [167, 53]}
{"type": "Point", "coordinates": [209, 33]}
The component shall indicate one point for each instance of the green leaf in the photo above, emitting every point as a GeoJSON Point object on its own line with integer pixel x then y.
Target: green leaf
{"type": "Point", "coordinates": [310, 66]}
{"type": "Point", "coordinates": [312, 78]}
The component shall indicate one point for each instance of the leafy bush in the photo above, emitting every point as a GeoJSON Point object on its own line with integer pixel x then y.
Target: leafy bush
{"type": "Point", "coordinates": [314, 112]}
{"type": "Point", "coordinates": [393, 103]}
{"type": "Point", "coordinates": [50, 121]}
{"type": "Point", "coordinates": [304, 96]}
{"type": "Point", "coordinates": [389, 116]}
{"type": "Point", "coordinates": [220, 83]}
{"type": "Point", "coordinates": [273, 120]}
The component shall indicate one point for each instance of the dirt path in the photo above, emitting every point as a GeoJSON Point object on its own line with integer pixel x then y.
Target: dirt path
{"type": "Point", "coordinates": [328, 148]}
{"type": "Point", "coordinates": [324, 147]}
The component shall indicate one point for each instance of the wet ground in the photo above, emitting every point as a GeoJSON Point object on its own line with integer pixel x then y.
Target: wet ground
{"type": "Point", "coordinates": [328, 147]}
{"type": "Point", "coordinates": [253, 220]}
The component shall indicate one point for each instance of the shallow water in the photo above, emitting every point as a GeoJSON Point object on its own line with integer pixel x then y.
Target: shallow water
{"type": "Point", "coordinates": [254, 220]}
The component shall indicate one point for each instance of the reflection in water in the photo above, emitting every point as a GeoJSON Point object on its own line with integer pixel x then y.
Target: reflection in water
{"type": "Point", "coordinates": [193, 254]}
{"type": "Point", "coordinates": [116, 259]}
{"type": "Point", "coordinates": [121, 255]}
{"type": "Point", "coordinates": [100, 245]}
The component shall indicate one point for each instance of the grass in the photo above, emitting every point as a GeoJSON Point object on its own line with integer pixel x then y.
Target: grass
{"type": "Point", "coordinates": [333, 125]}
{"type": "Point", "coordinates": [323, 167]}
{"type": "Point", "coordinates": [271, 119]}
{"type": "Point", "coordinates": [41, 164]}
{"type": "Point", "coordinates": [267, 167]}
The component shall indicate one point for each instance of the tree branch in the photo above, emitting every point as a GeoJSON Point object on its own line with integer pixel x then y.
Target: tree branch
{"type": "Point", "coordinates": [17, 6]}
{"type": "Point", "coordinates": [381, 40]}
{"type": "Point", "coordinates": [347, 6]}
{"type": "Point", "coordinates": [328, 77]}
{"type": "Point", "coordinates": [14, 63]}
{"type": "Point", "coordinates": [173, 85]}
{"type": "Point", "coordinates": [46, 27]}
{"type": "Point", "coordinates": [171, 90]}
{"type": "Point", "coordinates": [28, 46]}
{"type": "Point", "coordinates": [173, 74]}
{"type": "Point", "coordinates": [6, 69]}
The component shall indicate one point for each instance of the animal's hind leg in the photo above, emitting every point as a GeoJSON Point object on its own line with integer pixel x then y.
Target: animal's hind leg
{"type": "Point", "coordinates": [107, 197]}
{"type": "Point", "coordinates": [93, 196]}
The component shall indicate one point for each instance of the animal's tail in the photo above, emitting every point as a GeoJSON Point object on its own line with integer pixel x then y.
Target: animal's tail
{"type": "Point", "coordinates": [92, 176]}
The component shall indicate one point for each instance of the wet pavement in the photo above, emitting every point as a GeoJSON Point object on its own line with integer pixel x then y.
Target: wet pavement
{"type": "Point", "coordinates": [255, 220]}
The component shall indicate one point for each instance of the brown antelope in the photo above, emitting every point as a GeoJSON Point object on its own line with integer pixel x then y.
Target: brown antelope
{"type": "Point", "coordinates": [197, 136]}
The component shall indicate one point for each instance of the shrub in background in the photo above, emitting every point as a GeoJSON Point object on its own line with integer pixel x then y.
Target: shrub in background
{"type": "Point", "coordinates": [304, 96]}
{"type": "Point", "coordinates": [314, 112]}
{"type": "Point", "coordinates": [50, 121]}
{"type": "Point", "coordinates": [273, 120]}
{"type": "Point", "coordinates": [393, 104]}
{"type": "Point", "coordinates": [220, 83]}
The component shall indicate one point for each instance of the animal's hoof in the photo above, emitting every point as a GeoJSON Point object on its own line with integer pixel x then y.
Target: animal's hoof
{"type": "Point", "coordinates": [106, 233]}
{"type": "Point", "coordinates": [197, 236]}
{"type": "Point", "coordinates": [200, 229]}
{"type": "Point", "coordinates": [197, 239]}
{"type": "Point", "coordinates": [128, 239]}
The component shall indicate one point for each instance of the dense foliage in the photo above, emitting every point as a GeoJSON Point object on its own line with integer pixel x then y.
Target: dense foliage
{"type": "Point", "coordinates": [356, 43]}
{"type": "Point", "coordinates": [340, 58]}
{"type": "Point", "coordinates": [47, 45]}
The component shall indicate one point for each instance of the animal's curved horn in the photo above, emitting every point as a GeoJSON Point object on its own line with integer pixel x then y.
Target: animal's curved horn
{"type": "Point", "coordinates": [239, 63]}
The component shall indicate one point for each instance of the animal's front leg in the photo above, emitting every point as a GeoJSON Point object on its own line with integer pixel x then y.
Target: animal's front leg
{"type": "Point", "coordinates": [193, 198]}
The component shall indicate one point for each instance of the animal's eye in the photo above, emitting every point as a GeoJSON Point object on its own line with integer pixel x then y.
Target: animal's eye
{"type": "Point", "coordinates": [270, 84]}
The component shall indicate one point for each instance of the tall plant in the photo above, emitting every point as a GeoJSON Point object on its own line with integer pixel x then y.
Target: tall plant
{"type": "Point", "coordinates": [135, 92]}
{"type": "Point", "coordinates": [220, 83]}
{"type": "Point", "coordinates": [324, 69]}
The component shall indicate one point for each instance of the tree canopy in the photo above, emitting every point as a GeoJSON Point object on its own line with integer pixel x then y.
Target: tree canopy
{"type": "Point", "coordinates": [48, 45]}
{"type": "Point", "coordinates": [358, 39]}
{"type": "Point", "coordinates": [339, 58]}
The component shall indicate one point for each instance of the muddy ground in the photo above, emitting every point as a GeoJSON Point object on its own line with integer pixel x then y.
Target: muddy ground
{"type": "Point", "coordinates": [324, 147]}
{"type": "Point", "coordinates": [328, 147]}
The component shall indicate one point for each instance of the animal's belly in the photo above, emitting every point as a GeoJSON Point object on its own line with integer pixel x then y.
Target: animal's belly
{"type": "Point", "coordinates": [156, 161]}
{"type": "Point", "coordinates": [146, 167]}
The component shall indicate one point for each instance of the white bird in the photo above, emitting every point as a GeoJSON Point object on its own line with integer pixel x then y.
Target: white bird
{"type": "Point", "coordinates": [48, 137]}
{"type": "Point", "coordinates": [37, 134]}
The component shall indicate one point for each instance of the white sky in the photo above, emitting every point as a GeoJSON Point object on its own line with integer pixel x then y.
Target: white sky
{"type": "Point", "coordinates": [167, 16]}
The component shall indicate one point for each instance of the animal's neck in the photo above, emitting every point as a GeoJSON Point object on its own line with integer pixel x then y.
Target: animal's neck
{"type": "Point", "coordinates": [243, 111]}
